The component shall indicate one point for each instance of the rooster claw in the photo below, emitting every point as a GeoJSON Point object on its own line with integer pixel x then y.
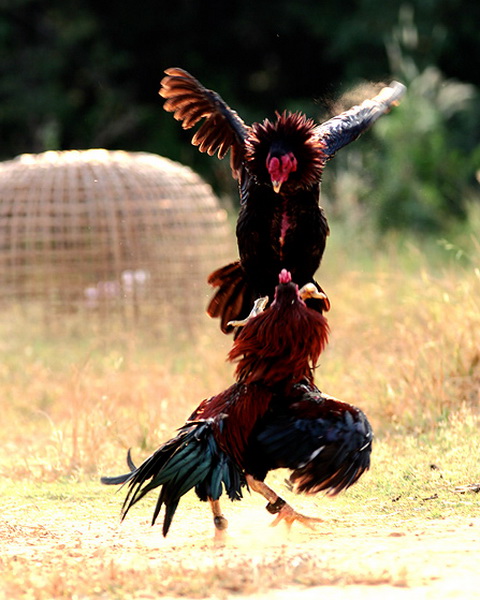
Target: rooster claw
{"type": "Point", "coordinates": [310, 290]}
{"type": "Point", "coordinates": [258, 307]}
{"type": "Point", "coordinates": [289, 515]}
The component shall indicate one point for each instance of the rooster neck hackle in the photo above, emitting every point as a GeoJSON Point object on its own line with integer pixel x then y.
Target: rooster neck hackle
{"type": "Point", "coordinates": [282, 343]}
{"type": "Point", "coordinates": [290, 133]}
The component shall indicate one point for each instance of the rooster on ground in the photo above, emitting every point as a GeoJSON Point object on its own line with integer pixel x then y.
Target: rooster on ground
{"type": "Point", "coordinates": [278, 165]}
{"type": "Point", "coordinates": [273, 416]}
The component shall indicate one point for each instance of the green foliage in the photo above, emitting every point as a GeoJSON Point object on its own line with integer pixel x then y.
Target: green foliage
{"type": "Point", "coordinates": [430, 175]}
{"type": "Point", "coordinates": [419, 172]}
{"type": "Point", "coordinates": [422, 178]}
{"type": "Point", "coordinates": [80, 74]}
{"type": "Point", "coordinates": [57, 86]}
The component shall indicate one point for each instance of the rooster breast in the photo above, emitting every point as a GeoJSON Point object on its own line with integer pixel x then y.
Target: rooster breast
{"type": "Point", "coordinates": [276, 232]}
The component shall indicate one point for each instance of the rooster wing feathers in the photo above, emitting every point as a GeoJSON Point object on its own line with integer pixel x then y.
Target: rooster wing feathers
{"type": "Point", "coordinates": [324, 442]}
{"type": "Point", "coordinates": [222, 130]}
{"type": "Point", "coordinates": [346, 127]}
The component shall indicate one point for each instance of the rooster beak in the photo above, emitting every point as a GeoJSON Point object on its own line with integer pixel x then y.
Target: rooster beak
{"type": "Point", "coordinates": [276, 186]}
{"type": "Point", "coordinates": [309, 290]}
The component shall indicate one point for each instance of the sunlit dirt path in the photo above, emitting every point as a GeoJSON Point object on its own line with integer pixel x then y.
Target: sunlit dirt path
{"type": "Point", "coordinates": [65, 557]}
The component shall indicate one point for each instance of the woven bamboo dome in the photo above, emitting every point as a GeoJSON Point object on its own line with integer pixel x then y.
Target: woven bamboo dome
{"type": "Point", "coordinates": [99, 230]}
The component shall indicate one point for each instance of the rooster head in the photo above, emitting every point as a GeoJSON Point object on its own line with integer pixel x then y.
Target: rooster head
{"type": "Point", "coordinates": [285, 153]}
{"type": "Point", "coordinates": [279, 165]}
{"type": "Point", "coordinates": [287, 291]}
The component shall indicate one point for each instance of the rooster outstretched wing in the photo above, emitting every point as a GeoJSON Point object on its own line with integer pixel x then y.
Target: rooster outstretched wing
{"type": "Point", "coordinates": [346, 127]}
{"type": "Point", "coordinates": [222, 130]}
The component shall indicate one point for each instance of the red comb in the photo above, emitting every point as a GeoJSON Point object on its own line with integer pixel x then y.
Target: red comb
{"type": "Point", "coordinates": [285, 276]}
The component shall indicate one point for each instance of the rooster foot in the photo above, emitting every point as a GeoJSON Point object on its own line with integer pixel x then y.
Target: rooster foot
{"type": "Point", "coordinates": [278, 506]}
{"type": "Point", "coordinates": [310, 290]}
{"type": "Point", "coordinates": [289, 515]}
{"type": "Point", "coordinates": [258, 307]}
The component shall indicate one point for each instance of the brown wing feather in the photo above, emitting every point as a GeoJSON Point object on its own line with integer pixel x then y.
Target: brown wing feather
{"type": "Point", "coordinates": [190, 102]}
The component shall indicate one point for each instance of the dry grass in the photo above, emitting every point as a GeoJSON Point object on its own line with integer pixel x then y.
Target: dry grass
{"type": "Point", "coordinates": [404, 347]}
{"type": "Point", "coordinates": [405, 336]}
{"type": "Point", "coordinates": [71, 404]}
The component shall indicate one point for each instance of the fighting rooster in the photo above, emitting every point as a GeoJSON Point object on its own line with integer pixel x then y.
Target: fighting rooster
{"type": "Point", "coordinates": [278, 165]}
{"type": "Point", "coordinates": [273, 416]}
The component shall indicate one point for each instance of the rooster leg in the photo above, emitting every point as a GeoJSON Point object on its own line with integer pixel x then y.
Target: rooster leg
{"type": "Point", "coordinates": [219, 520]}
{"type": "Point", "coordinates": [278, 506]}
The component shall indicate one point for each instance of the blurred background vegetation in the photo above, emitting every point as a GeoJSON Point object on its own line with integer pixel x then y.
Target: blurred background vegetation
{"type": "Point", "coordinates": [405, 322]}
{"type": "Point", "coordinates": [83, 73]}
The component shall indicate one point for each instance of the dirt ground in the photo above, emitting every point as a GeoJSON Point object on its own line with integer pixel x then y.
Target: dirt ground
{"type": "Point", "coordinates": [415, 559]}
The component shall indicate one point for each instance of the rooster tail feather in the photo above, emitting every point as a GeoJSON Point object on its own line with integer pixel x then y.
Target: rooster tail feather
{"type": "Point", "coordinates": [169, 513]}
{"type": "Point", "coordinates": [118, 480]}
{"type": "Point", "coordinates": [226, 474]}
{"type": "Point", "coordinates": [131, 465]}
{"type": "Point", "coordinates": [121, 479]}
{"type": "Point", "coordinates": [192, 459]}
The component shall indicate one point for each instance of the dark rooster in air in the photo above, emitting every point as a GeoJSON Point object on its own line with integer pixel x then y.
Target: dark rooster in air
{"type": "Point", "coordinates": [278, 165]}
{"type": "Point", "coordinates": [273, 416]}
